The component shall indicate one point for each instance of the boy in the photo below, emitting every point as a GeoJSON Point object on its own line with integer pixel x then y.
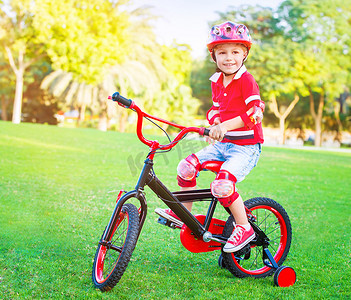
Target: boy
{"type": "Point", "coordinates": [237, 113]}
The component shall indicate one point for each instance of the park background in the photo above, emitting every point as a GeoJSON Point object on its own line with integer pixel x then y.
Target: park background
{"type": "Point", "coordinates": [59, 61]}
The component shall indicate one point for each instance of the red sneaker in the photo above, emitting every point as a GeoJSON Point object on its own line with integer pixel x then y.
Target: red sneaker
{"type": "Point", "coordinates": [169, 215]}
{"type": "Point", "coordinates": [238, 239]}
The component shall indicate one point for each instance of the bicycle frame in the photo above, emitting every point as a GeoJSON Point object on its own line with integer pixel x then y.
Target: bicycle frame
{"type": "Point", "coordinates": [172, 200]}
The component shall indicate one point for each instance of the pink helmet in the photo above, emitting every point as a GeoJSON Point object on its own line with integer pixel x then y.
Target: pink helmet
{"type": "Point", "coordinates": [229, 32]}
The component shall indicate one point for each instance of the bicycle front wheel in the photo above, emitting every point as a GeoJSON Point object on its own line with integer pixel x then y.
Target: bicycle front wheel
{"type": "Point", "coordinates": [111, 259]}
{"type": "Point", "coordinates": [274, 221]}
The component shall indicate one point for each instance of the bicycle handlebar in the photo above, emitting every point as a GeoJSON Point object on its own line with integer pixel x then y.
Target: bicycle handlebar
{"type": "Point", "coordinates": [120, 99]}
{"type": "Point", "coordinates": [128, 103]}
{"type": "Point", "coordinates": [206, 132]}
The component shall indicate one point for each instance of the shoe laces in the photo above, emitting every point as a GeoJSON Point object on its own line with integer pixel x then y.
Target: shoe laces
{"type": "Point", "coordinates": [237, 234]}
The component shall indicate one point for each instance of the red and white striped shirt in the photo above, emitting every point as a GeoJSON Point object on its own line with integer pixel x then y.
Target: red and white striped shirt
{"type": "Point", "coordinates": [232, 101]}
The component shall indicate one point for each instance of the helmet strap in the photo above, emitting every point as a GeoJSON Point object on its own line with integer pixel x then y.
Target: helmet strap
{"type": "Point", "coordinates": [229, 74]}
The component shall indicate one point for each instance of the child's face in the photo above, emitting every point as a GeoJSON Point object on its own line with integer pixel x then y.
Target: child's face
{"type": "Point", "coordinates": [230, 57]}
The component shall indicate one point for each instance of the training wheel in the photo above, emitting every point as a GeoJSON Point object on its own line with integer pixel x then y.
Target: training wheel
{"type": "Point", "coordinates": [284, 276]}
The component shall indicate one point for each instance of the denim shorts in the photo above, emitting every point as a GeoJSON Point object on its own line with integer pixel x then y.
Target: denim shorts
{"type": "Point", "coordinates": [238, 160]}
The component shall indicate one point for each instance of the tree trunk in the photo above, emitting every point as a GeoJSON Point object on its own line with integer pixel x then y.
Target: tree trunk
{"type": "Point", "coordinates": [103, 120]}
{"type": "Point", "coordinates": [282, 116]}
{"type": "Point", "coordinates": [123, 120]}
{"type": "Point", "coordinates": [17, 105]}
{"type": "Point", "coordinates": [317, 116]}
{"type": "Point", "coordinates": [19, 71]}
{"type": "Point", "coordinates": [318, 138]}
{"type": "Point", "coordinates": [4, 104]}
{"type": "Point", "coordinates": [281, 131]}
{"type": "Point", "coordinates": [337, 108]}
{"type": "Point", "coordinates": [81, 117]}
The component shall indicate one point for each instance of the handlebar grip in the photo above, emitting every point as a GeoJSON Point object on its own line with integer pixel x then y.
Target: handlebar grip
{"type": "Point", "coordinates": [205, 131]}
{"type": "Point", "coordinates": [120, 99]}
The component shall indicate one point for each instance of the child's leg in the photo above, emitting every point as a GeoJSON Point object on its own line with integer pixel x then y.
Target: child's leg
{"type": "Point", "coordinates": [242, 233]}
{"type": "Point", "coordinates": [237, 209]}
{"type": "Point", "coordinates": [188, 205]}
{"type": "Point", "coordinates": [186, 175]}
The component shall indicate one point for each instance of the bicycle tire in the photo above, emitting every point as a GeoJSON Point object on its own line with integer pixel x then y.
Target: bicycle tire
{"type": "Point", "coordinates": [110, 264]}
{"type": "Point", "coordinates": [248, 262]}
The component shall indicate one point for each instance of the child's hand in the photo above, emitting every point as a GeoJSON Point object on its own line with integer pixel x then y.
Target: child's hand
{"type": "Point", "coordinates": [217, 132]}
{"type": "Point", "coordinates": [209, 140]}
{"type": "Point", "coordinates": [256, 113]}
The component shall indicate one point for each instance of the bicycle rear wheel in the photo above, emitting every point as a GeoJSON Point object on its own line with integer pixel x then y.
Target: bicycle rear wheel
{"type": "Point", "coordinates": [111, 259]}
{"type": "Point", "coordinates": [273, 220]}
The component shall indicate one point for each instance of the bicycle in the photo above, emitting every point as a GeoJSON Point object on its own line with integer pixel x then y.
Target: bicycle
{"type": "Point", "coordinates": [264, 256]}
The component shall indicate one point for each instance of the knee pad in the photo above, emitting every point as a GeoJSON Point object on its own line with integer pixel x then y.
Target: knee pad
{"type": "Point", "coordinates": [223, 188]}
{"type": "Point", "coordinates": [187, 170]}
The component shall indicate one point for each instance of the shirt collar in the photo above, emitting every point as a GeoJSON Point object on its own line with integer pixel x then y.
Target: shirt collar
{"type": "Point", "coordinates": [217, 75]}
{"type": "Point", "coordinates": [241, 71]}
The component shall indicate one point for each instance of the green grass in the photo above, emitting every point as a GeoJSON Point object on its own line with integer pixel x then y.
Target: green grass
{"type": "Point", "coordinates": [56, 199]}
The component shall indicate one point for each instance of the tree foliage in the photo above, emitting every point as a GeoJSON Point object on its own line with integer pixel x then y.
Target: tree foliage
{"type": "Point", "coordinates": [83, 37]}
{"type": "Point", "coordinates": [144, 71]}
{"type": "Point", "coordinates": [324, 30]}
{"type": "Point", "coordinates": [300, 58]}
{"type": "Point", "coordinates": [300, 50]}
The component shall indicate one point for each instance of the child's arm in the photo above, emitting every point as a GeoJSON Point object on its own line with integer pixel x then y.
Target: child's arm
{"type": "Point", "coordinates": [218, 131]}
{"type": "Point", "coordinates": [213, 116]}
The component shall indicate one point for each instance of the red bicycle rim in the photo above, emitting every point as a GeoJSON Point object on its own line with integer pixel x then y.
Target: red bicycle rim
{"type": "Point", "coordinates": [281, 247]}
{"type": "Point", "coordinates": [99, 269]}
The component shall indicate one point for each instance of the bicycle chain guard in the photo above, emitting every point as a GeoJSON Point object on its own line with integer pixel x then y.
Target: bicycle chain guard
{"type": "Point", "coordinates": [196, 245]}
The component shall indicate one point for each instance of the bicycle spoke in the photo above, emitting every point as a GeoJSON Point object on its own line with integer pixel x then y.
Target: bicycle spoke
{"type": "Point", "coordinates": [120, 236]}
{"type": "Point", "coordinates": [275, 250]}
{"type": "Point", "coordinates": [255, 259]}
{"type": "Point", "coordinates": [264, 218]}
{"type": "Point", "coordinates": [109, 264]}
{"type": "Point", "coordinates": [276, 238]}
{"type": "Point", "coordinates": [278, 227]}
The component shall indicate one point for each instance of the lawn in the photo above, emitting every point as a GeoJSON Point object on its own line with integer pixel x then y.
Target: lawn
{"type": "Point", "coordinates": [58, 188]}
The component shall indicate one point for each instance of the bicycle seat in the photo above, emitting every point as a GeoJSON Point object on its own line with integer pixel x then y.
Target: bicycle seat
{"type": "Point", "coordinates": [212, 165]}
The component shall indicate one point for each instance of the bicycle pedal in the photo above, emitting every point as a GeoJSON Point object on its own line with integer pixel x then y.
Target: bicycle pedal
{"type": "Point", "coordinates": [164, 221]}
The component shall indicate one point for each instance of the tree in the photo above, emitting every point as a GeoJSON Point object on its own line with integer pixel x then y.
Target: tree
{"type": "Point", "coordinates": [19, 39]}
{"type": "Point", "coordinates": [7, 86]}
{"type": "Point", "coordinates": [277, 66]}
{"type": "Point", "coordinates": [175, 99]}
{"type": "Point", "coordinates": [200, 84]}
{"type": "Point", "coordinates": [147, 72]}
{"type": "Point", "coordinates": [324, 30]}
{"type": "Point", "coordinates": [301, 49]}
{"type": "Point", "coordinates": [133, 66]}
{"type": "Point", "coordinates": [83, 37]}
